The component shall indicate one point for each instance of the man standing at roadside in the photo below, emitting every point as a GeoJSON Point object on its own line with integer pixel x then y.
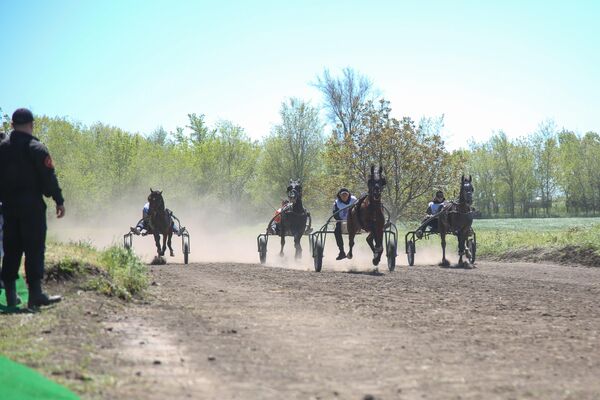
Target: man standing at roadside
{"type": "Point", "coordinates": [26, 175]}
{"type": "Point", "coordinates": [2, 137]}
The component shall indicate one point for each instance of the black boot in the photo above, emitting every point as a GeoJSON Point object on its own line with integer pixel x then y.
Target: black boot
{"type": "Point", "coordinates": [342, 255]}
{"type": "Point", "coordinates": [12, 300]}
{"type": "Point", "coordinates": [38, 298]}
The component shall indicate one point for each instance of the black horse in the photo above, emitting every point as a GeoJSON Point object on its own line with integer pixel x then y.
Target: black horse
{"type": "Point", "coordinates": [160, 222]}
{"type": "Point", "coordinates": [293, 217]}
{"type": "Point", "coordinates": [368, 215]}
{"type": "Point", "coordinates": [457, 218]}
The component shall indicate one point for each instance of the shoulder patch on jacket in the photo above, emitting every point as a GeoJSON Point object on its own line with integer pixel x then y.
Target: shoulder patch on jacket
{"type": "Point", "coordinates": [48, 162]}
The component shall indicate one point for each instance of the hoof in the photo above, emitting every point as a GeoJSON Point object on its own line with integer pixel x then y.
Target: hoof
{"type": "Point", "coordinates": [281, 254]}
{"type": "Point", "coordinates": [376, 261]}
{"type": "Point", "coordinates": [158, 260]}
{"type": "Point", "coordinates": [349, 256]}
{"type": "Point", "coordinates": [444, 263]}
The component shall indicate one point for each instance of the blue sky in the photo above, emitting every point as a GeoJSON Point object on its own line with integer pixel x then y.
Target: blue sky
{"type": "Point", "coordinates": [140, 64]}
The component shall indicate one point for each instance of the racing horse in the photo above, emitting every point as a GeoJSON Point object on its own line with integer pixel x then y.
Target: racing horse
{"type": "Point", "coordinates": [160, 222]}
{"type": "Point", "coordinates": [367, 215]}
{"type": "Point", "coordinates": [457, 218]}
{"type": "Point", "coordinates": [293, 217]}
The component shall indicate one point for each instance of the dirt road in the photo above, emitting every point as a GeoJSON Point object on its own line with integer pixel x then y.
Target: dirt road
{"type": "Point", "coordinates": [245, 331]}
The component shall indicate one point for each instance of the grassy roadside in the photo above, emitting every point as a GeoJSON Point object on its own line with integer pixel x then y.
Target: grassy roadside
{"type": "Point", "coordinates": [62, 341]}
{"type": "Point", "coordinates": [559, 240]}
{"type": "Point", "coordinates": [566, 240]}
{"type": "Point", "coordinates": [113, 271]}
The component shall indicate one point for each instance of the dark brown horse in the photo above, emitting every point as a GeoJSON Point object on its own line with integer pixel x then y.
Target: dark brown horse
{"type": "Point", "coordinates": [457, 218]}
{"type": "Point", "coordinates": [159, 222]}
{"type": "Point", "coordinates": [367, 215]}
{"type": "Point", "coordinates": [293, 217]}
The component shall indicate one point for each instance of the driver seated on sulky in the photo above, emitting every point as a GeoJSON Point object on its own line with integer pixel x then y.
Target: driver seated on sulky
{"type": "Point", "coordinates": [435, 206]}
{"type": "Point", "coordinates": [341, 204]}
{"type": "Point", "coordinates": [276, 225]}
{"type": "Point", "coordinates": [143, 226]}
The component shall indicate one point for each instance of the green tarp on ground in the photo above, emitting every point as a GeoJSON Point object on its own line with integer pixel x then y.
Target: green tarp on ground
{"type": "Point", "coordinates": [17, 382]}
{"type": "Point", "coordinates": [23, 294]}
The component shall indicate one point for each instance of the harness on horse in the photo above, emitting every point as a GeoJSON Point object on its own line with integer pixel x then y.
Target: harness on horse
{"type": "Point", "coordinates": [358, 205]}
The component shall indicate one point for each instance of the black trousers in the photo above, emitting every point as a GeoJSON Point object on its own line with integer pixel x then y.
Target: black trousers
{"type": "Point", "coordinates": [24, 233]}
{"type": "Point", "coordinates": [338, 236]}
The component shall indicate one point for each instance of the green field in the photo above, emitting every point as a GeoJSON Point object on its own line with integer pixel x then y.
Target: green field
{"type": "Point", "coordinates": [567, 240]}
{"type": "Point", "coordinates": [534, 224]}
{"type": "Point", "coordinates": [497, 237]}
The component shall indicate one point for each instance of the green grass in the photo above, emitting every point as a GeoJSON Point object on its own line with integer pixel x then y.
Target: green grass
{"type": "Point", "coordinates": [129, 277]}
{"type": "Point", "coordinates": [502, 236]}
{"type": "Point", "coordinates": [17, 334]}
{"type": "Point", "coordinates": [113, 271]}
{"type": "Point", "coordinates": [534, 224]}
{"type": "Point", "coordinates": [544, 239]}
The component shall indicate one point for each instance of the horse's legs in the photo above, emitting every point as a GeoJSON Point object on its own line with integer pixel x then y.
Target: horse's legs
{"type": "Point", "coordinates": [370, 242]}
{"type": "Point", "coordinates": [378, 251]}
{"type": "Point", "coordinates": [444, 262]}
{"type": "Point", "coordinates": [164, 244]}
{"type": "Point", "coordinates": [282, 244]}
{"type": "Point", "coordinates": [157, 242]}
{"type": "Point", "coordinates": [297, 245]}
{"type": "Point", "coordinates": [461, 247]}
{"type": "Point", "coordinates": [169, 243]}
{"type": "Point", "coordinates": [350, 241]}
{"type": "Point", "coordinates": [376, 256]}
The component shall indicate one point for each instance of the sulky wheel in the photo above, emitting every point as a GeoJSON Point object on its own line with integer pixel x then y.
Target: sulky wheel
{"type": "Point", "coordinates": [318, 256]}
{"type": "Point", "coordinates": [391, 256]}
{"type": "Point", "coordinates": [262, 249]}
{"type": "Point", "coordinates": [127, 241]}
{"type": "Point", "coordinates": [472, 246]}
{"type": "Point", "coordinates": [186, 251]}
{"type": "Point", "coordinates": [410, 252]}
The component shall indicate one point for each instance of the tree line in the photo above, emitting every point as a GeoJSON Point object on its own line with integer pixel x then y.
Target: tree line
{"type": "Point", "coordinates": [551, 172]}
{"type": "Point", "coordinates": [548, 172]}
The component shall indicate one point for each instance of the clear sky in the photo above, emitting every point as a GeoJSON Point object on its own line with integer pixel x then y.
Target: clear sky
{"type": "Point", "coordinates": [485, 65]}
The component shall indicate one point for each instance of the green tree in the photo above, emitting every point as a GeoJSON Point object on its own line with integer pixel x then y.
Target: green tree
{"type": "Point", "coordinates": [415, 161]}
{"type": "Point", "coordinates": [292, 151]}
{"type": "Point", "coordinates": [544, 145]}
{"type": "Point", "coordinates": [344, 98]}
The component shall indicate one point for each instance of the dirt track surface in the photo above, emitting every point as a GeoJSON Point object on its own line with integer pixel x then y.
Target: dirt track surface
{"type": "Point", "coordinates": [245, 331]}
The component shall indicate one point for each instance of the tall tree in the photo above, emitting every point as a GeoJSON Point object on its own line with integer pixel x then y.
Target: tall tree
{"type": "Point", "coordinates": [481, 167]}
{"type": "Point", "coordinates": [293, 148]}
{"type": "Point", "coordinates": [200, 131]}
{"type": "Point", "coordinates": [544, 145]}
{"type": "Point", "coordinates": [344, 98]}
{"type": "Point", "coordinates": [159, 136]}
{"type": "Point", "coordinates": [236, 157]}
{"type": "Point", "coordinates": [5, 125]}
{"type": "Point", "coordinates": [506, 167]}
{"type": "Point", "coordinates": [414, 160]}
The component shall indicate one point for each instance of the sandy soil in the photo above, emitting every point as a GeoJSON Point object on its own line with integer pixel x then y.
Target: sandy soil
{"type": "Point", "coordinates": [245, 331]}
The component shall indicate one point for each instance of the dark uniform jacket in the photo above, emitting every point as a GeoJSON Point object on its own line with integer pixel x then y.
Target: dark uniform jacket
{"type": "Point", "coordinates": [26, 173]}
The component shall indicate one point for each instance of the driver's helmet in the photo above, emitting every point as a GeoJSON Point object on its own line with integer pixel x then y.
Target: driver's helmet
{"type": "Point", "coordinates": [439, 195]}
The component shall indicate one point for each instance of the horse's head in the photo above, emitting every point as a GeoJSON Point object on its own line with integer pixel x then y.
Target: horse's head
{"type": "Point", "coordinates": [466, 190]}
{"type": "Point", "coordinates": [156, 200]}
{"type": "Point", "coordinates": [294, 191]}
{"type": "Point", "coordinates": [376, 183]}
